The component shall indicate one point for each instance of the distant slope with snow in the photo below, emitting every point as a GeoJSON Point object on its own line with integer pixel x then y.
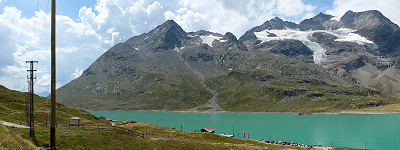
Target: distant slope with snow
{"type": "Point", "coordinates": [319, 52]}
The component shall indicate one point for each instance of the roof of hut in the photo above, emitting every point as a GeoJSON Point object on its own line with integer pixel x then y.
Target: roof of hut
{"type": "Point", "coordinates": [209, 129]}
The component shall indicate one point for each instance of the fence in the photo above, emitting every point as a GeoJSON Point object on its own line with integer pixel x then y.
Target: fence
{"type": "Point", "coordinates": [99, 127]}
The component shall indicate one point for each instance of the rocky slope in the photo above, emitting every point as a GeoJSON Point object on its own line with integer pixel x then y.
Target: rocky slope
{"type": "Point", "coordinates": [318, 65]}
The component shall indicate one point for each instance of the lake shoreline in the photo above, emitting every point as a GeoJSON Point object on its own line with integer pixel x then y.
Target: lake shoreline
{"type": "Point", "coordinates": [349, 112]}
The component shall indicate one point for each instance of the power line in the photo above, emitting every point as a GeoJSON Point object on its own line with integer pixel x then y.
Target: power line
{"type": "Point", "coordinates": [44, 25]}
{"type": "Point", "coordinates": [34, 27]}
{"type": "Point", "coordinates": [31, 79]}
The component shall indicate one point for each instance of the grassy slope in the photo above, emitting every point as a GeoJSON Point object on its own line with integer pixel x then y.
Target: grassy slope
{"type": "Point", "coordinates": [13, 140]}
{"type": "Point", "coordinates": [297, 88]}
{"type": "Point", "coordinates": [12, 110]}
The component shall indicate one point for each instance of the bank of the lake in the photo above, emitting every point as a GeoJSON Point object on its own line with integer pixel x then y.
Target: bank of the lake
{"type": "Point", "coordinates": [379, 131]}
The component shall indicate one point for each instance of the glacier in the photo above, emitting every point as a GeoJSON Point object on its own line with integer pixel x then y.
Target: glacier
{"type": "Point", "coordinates": [319, 55]}
{"type": "Point", "coordinates": [209, 39]}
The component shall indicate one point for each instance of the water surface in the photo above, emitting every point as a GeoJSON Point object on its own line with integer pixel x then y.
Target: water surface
{"type": "Point", "coordinates": [356, 131]}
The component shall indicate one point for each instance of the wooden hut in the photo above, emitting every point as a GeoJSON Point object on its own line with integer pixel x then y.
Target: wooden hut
{"type": "Point", "coordinates": [208, 129]}
{"type": "Point", "coordinates": [75, 121]}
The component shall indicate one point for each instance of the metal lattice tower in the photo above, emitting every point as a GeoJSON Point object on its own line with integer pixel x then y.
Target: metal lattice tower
{"type": "Point", "coordinates": [31, 77]}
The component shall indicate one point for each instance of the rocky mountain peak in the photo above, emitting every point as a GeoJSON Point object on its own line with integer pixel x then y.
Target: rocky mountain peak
{"type": "Point", "coordinates": [229, 42]}
{"type": "Point", "coordinates": [366, 19]}
{"type": "Point", "coordinates": [323, 17]}
{"type": "Point", "coordinates": [166, 36]}
{"type": "Point", "coordinates": [277, 19]}
{"type": "Point", "coordinates": [315, 23]}
{"type": "Point", "coordinates": [230, 37]}
{"type": "Point", "coordinates": [169, 27]}
{"type": "Point", "coordinates": [278, 24]}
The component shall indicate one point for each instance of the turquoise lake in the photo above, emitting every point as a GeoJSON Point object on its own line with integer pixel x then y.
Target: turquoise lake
{"type": "Point", "coordinates": [355, 131]}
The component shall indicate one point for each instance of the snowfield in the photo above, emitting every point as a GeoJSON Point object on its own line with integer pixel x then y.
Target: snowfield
{"type": "Point", "coordinates": [209, 39]}
{"type": "Point", "coordinates": [318, 52]}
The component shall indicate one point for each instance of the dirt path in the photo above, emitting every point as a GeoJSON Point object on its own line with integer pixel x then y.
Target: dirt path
{"type": "Point", "coordinates": [12, 124]}
{"type": "Point", "coordinates": [211, 105]}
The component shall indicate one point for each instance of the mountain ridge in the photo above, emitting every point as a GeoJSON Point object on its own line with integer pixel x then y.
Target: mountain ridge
{"type": "Point", "coordinates": [277, 66]}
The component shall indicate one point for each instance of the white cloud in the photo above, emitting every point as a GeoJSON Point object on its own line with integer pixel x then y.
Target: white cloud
{"type": "Point", "coordinates": [15, 72]}
{"type": "Point", "coordinates": [7, 47]}
{"type": "Point", "coordinates": [77, 73]}
{"type": "Point", "coordinates": [182, 17]}
{"type": "Point", "coordinates": [389, 8]}
{"type": "Point", "coordinates": [293, 8]}
{"type": "Point", "coordinates": [220, 16]}
{"type": "Point", "coordinates": [45, 80]}
{"type": "Point", "coordinates": [235, 16]}
{"type": "Point", "coordinates": [80, 42]}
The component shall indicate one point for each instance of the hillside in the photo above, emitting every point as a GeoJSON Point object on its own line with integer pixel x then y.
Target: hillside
{"type": "Point", "coordinates": [157, 137]}
{"type": "Point", "coordinates": [318, 65]}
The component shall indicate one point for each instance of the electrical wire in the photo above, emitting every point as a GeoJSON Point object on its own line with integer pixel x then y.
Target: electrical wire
{"type": "Point", "coordinates": [43, 28]}
{"type": "Point", "coordinates": [33, 30]}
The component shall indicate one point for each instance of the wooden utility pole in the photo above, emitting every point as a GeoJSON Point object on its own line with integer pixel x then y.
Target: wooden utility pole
{"type": "Point", "coordinates": [53, 76]}
{"type": "Point", "coordinates": [31, 77]}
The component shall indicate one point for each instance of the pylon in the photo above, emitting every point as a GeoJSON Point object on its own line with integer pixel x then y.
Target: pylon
{"type": "Point", "coordinates": [31, 79]}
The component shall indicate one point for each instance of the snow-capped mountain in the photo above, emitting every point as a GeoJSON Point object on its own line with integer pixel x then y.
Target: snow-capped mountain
{"type": "Point", "coordinates": [320, 64]}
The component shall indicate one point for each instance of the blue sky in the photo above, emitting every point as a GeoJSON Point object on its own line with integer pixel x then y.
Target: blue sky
{"type": "Point", "coordinates": [87, 28]}
{"type": "Point", "coordinates": [64, 7]}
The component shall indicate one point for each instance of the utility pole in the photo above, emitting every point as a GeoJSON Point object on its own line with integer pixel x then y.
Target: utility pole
{"type": "Point", "coordinates": [31, 77]}
{"type": "Point", "coordinates": [53, 77]}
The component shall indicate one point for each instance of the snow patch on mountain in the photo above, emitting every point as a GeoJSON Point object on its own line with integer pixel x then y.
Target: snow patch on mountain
{"type": "Point", "coordinates": [319, 55]}
{"type": "Point", "coordinates": [209, 39]}
{"type": "Point", "coordinates": [318, 52]}
{"type": "Point", "coordinates": [345, 34]}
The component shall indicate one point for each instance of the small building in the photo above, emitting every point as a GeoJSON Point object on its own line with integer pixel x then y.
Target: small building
{"type": "Point", "coordinates": [75, 121]}
{"type": "Point", "coordinates": [208, 129]}
{"type": "Point", "coordinates": [226, 135]}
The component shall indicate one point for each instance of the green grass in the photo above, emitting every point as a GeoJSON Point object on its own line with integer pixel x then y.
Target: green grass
{"type": "Point", "coordinates": [13, 140]}
{"type": "Point", "coordinates": [252, 91]}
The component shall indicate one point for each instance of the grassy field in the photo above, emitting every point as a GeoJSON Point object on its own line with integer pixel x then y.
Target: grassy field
{"type": "Point", "coordinates": [262, 91]}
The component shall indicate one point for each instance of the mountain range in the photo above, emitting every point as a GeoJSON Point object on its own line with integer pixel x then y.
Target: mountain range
{"type": "Point", "coordinates": [322, 64]}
